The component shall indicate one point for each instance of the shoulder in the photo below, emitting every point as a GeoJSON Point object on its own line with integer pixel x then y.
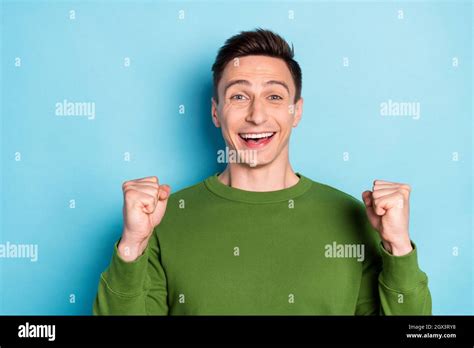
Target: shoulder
{"type": "Point", "coordinates": [340, 209]}
{"type": "Point", "coordinates": [331, 196]}
{"type": "Point", "coordinates": [188, 192]}
{"type": "Point", "coordinates": [349, 213]}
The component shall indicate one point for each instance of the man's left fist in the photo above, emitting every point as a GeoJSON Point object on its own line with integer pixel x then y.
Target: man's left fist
{"type": "Point", "coordinates": [388, 211]}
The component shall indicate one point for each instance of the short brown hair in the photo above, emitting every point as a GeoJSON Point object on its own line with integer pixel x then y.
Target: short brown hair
{"type": "Point", "coordinates": [257, 42]}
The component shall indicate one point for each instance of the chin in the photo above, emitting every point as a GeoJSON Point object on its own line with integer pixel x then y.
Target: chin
{"type": "Point", "coordinates": [261, 162]}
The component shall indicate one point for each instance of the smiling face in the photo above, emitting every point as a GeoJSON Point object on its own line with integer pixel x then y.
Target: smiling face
{"type": "Point", "coordinates": [256, 108]}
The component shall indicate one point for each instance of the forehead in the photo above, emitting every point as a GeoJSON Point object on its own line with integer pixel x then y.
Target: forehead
{"type": "Point", "coordinates": [257, 68]}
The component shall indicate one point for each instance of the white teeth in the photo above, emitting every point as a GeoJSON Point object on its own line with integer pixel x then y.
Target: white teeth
{"type": "Point", "coordinates": [255, 135]}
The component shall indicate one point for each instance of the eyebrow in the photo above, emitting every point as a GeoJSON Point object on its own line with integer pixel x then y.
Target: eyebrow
{"type": "Point", "coordinates": [247, 83]}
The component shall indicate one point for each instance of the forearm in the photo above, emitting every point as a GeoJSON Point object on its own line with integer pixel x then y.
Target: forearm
{"type": "Point", "coordinates": [402, 286]}
{"type": "Point", "coordinates": [122, 288]}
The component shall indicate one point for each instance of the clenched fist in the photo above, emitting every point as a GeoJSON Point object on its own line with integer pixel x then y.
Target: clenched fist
{"type": "Point", "coordinates": [388, 211]}
{"type": "Point", "coordinates": [143, 208]}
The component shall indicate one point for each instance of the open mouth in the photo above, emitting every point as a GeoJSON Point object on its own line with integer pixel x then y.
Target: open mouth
{"type": "Point", "coordinates": [256, 139]}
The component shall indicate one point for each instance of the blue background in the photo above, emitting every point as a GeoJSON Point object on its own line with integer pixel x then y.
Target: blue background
{"type": "Point", "coordinates": [137, 111]}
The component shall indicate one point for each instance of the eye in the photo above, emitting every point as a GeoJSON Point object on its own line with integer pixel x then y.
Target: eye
{"type": "Point", "coordinates": [238, 95]}
{"type": "Point", "coordinates": [277, 97]}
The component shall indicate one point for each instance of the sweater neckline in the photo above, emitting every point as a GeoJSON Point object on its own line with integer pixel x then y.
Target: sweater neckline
{"type": "Point", "coordinates": [234, 194]}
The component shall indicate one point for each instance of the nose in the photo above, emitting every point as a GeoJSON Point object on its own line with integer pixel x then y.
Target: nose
{"type": "Point", "coordinates": [256, 113]}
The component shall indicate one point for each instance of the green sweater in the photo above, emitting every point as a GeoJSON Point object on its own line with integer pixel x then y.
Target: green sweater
{"type": "Point", "coordinates": [308, 249]}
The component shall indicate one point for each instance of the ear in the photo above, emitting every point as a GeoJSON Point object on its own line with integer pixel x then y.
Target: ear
{"type": "Point", "coordinates": [215, 117]}
{"type": "Point", "coordinates": [298, 112]}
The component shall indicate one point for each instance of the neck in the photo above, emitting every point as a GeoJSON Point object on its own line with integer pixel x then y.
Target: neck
{"type": "Point", "coordinates": [273, 176]}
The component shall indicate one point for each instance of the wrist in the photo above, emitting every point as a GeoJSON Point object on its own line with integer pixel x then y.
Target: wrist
{"type": "Point", "coordinates": [129, 250]}
{"type": "Point", "coordinates": [398, 248]}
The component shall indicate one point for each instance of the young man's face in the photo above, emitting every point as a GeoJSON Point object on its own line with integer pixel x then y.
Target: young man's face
{"type": "Point", "coordinates": [256, 108]}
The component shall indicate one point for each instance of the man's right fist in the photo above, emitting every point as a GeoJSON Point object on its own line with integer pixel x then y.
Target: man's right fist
{"type": "Point", "coordinates": [143, 208]}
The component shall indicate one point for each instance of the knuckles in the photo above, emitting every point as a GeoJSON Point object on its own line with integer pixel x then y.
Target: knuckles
{"type": "Point", "coordinates": [406, 187]}
{"type": "Point", "coordinates": [134, 197]}
{"type": "Point", "coordinates": [149, 185]}
{"type": "Point", "coordinates": [140, 195]}
{"type": "Point", "coordinates": [401, 188]}
{"type": "Point", "coordinates": [396, 196]}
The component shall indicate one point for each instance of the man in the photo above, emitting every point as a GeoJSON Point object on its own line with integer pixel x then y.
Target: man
{"type": "Point", "coordinates": [259, 238]}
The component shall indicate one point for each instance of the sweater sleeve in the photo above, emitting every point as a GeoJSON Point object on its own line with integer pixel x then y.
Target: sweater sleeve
{"type": "Point", "coordinates": [393, 285]}
{"type": "Point", "coordinates": [133, 288]}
